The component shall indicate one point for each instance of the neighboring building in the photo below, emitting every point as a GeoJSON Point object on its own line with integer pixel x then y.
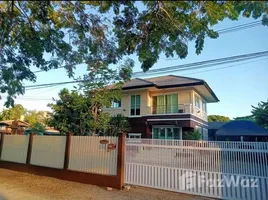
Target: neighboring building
{"type": "Point", "coordinates": [212, 128]}
{"type": "Point", "coordinates": [13, 126]}
{"type": "Point", "coordinates": [48, 131]}
{"type": "Point", "coordinates": [241, 130]}
{"type": "Point", "coordinates": [51, 131]}
{"type": "Point", "coordinates": [165, 107]}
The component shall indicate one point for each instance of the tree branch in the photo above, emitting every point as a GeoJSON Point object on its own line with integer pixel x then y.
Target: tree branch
{"type": "Point", "coordinates": [20, 9]}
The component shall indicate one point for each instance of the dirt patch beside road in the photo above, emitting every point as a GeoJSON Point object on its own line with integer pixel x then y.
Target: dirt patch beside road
{"type": "Point", "coordinates": [23, 186]}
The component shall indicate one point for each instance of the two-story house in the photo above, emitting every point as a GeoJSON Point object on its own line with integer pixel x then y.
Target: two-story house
{"type": "Point", "coordinates": [165, 107]}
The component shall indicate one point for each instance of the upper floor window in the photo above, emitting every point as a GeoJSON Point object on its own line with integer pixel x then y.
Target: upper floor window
{"type": "Point", "coordinates": [204, 106]}
{"type": "Point", "coordinates": [135, 105]}
{"type": "Point", "coordinates": [116, 103]}
{"type": "Point", "coordinates": [165, 104]}
{"type": "Point", "coordinates": [197, 101]}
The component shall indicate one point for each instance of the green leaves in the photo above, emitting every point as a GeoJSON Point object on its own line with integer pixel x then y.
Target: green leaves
{"type": "Point", "coordinates": [33, 117]}
{"type": "Point", "coordinates": [218, 118]}
{"type": "Point", "coordinates": [71, 113]}
{"type": "Point", "coordinates": [265, 20]}
{"type": "Point", "coordinates": [49, 34]}
{"type": "Point", "coordinates": [117, 125]}
{"type": "Point", "coordinates": [260, 113]}
{"type": "Point", "coordinates": [37, 128]}
{"type": "Point", "coordinates": [199, 43]}
{"type": "Point", "coordinates": [13, 113]}
{"type": "Point", "coordinates": [192, 135]}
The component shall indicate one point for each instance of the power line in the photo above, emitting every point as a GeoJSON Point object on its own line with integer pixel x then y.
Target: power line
{"type": "Point", "coordinates": [206, 63]}
{"type": "Point", "coordinates": [186, 67]}
{"type": "Point", "coordinates": [232, 29]}
{"type": "Point", "coordinates": [31, 98]}
{"type": "Point", "coordinates": [53, 88]}
{"type": "Point", "coordinates": [240, 27]}
{"type": "Point", "coordinates": [224, 67]}
{"type": "Point", "coordinates": [199, 67]}
{"type": "Point", "coordinates": [32, 87]}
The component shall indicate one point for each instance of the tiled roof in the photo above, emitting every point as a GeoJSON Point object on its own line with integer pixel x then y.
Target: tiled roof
{"type": "Point", "coordinates": [173, 80]}
{"type": "Point", "coordinates": [9, 123]}
{"type": "Point", "coordinates": [169, 81]}
{"type": "Point", "coordinates": [162, 81]}
{"type": "Point", "coordinates": [137, 83]}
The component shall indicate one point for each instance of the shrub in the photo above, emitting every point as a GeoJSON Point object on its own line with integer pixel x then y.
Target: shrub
{"type": "Point", "coordinates": [192, 135]}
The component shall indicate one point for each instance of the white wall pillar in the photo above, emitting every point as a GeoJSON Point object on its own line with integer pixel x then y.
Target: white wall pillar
{"type": "Point", "coordinates": [180, 133]}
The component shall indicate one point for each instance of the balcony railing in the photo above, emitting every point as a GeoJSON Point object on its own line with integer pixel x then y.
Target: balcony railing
{"type": "Point", "coordinates": [168, 109]}
{"type": "Point", "coordinates": [178, 109]}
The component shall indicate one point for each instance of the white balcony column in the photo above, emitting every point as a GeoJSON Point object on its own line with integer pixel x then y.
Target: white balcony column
{"type": "Point", "coordinates": [190, 105]}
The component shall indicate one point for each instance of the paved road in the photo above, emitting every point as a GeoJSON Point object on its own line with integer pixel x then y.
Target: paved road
{"type": "Point", "coordinates": [22, 186]}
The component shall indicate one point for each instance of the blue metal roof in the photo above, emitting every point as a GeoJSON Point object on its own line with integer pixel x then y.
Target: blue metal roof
{"type": "Point", "coordinates": [241, 128]}
{"type": "Point", "coordinates": [215, 125]}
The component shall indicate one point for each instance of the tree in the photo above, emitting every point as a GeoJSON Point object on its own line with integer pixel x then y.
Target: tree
{"type": "Point", "coordinates": [37, 128]}
{"type": "Point", "coordinates": [103, 85]}
{"type": "Point", "coordinates": [218, 118]}
{"type": "Point", "coordinates": [249, 118]}
{"type": "Point", "coordinates": [118, 124]}
{"type": "Point", "coordinates": [260, 114]}
{"type": "Point", "coordinates": [34, 116]}
{"type": "Point", "coordinates": [192, 135]}
{"type": "Point", "coordinates": [83, 113]}
{"type": "Point", "coordinates": [14, 113]}
{"type": "Point", "coordinates": [70, 113]}
{"type": "Point", "coordinates": [52, 34]}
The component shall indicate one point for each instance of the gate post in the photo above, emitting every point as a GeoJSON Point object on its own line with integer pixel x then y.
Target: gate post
{"type": "Point", "coordinates": [1, 143]}
{"type": "Point", "coordinates": [30, 147]}
{"type": "Point", "coordinates": [121, 160]}
{"type": "Point", "coordinates": [67, 151]}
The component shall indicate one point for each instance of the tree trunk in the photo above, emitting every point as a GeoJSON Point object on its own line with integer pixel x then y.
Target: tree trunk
{"type": "Point", "coordinates": [95, 117]}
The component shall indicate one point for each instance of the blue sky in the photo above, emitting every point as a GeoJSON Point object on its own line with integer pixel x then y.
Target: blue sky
{"type": "Point", "coordinates": [237, 87]}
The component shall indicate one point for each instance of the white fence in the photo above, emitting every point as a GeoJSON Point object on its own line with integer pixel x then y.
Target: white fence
{"type": "Point", "coordinates": [88, 155]}
{"type": "Point", "coordinates": [167, 164]}
{"type": "Point", "coordinates": [48, 151]}
{"type": "Point", "coordinates": [15, 148]}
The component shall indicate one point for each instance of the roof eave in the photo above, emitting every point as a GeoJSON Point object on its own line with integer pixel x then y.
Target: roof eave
{"type": "Point", "coordinates": [138, 87]}
{"type": "Point", "coordinates": [211, 91]}
{"type": "Point", "coordinates": [180, 85]}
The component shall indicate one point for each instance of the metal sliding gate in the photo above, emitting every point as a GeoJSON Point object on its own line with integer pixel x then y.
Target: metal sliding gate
{"type": "Point", "coordinates": [225, 170]}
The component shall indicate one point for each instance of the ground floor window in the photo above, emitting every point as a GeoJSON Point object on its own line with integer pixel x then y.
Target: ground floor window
{"type": "Point", "coordinates": [167, 133]}
{"type": "Point", "coordinates": [203, 133]}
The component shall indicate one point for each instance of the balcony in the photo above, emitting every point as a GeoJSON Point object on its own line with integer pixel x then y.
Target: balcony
{"type": "Point", "coordinates": [178, 109]}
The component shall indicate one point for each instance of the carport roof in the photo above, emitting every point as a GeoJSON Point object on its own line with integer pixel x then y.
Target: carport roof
{"type": "Point", "coordinates": [241, 128]}
{"type": "Point", "coordinates": [215, 125]}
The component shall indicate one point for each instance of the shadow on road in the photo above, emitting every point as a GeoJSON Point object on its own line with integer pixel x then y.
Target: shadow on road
{"type": "Point", "coordinates": [3, 197]}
